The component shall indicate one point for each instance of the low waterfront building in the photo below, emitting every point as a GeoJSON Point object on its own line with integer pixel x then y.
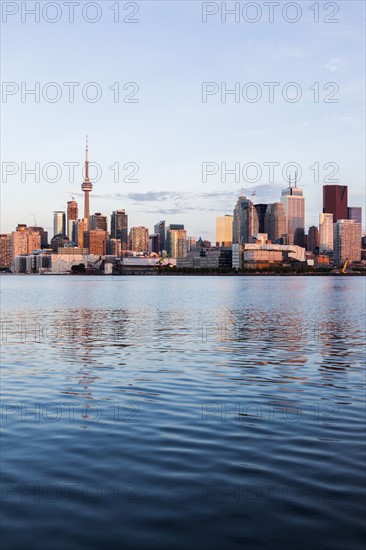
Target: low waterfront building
{"type": "Point", "coordinates": [323, 260]}
{"type": "Point", "coordinates": [220, 258]}
{"type": "Point", "coordinates": [32, 263]}
{"type": "Point", "coordinates": [248, 253]}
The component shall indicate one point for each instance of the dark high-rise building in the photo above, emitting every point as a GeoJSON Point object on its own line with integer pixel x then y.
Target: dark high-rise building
{"type": "Point", "coordinates": [59, 241]}
{"type": "Point", "coordinates": [114, 247]}
{"type": "Point", "coordinates": [299, 237]}
{"type": "Point", "coordinates": [119, 228]}
{"type": "Point", "coordinates": [154, 243]}
{"type": "Point", "coordinates": [275, 221]}
{"type": "Point", "coordinates": [355, 213]}
{"type": "Point", "coordinates": [176, 226]}
{"type": "Point", "coordinates": [313, 239]}
{"type": "Point", "coordinates": [98, 221]}
{"type": "Point", "coordinates": [159, 229]}
{"type": "Point", "coordinates": [335, 201]}
{"type": "Point", "coordinates": [246, 223]}
{"type": "Point", "coordinates": [261, 211]}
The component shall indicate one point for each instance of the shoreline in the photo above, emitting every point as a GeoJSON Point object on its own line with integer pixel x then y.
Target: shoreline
{"type": "Point", "coordinates": [145, 274]}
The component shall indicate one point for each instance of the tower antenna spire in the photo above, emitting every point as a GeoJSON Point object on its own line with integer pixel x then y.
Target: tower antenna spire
{"type": "Point", "coordinates": [87, 160]}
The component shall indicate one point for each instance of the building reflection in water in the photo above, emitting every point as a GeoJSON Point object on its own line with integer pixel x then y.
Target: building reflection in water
{"type": "Point", "coordinates": [91, 344]}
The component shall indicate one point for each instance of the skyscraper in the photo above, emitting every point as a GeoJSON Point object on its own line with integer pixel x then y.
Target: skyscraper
{"type": "Point", "coordinates": [139, 239]}
{"type": "Point", "coordinates": [347, 241]}
{"type": "Point", "coordinates": [159, 229]}
{"type": "Point", "coordinates": [293, 201]}
{"type": "Point", "coordinates": [86, 186]}
{"type": "Point", "coordinates": [335, 201]}
{"type": "Point", "coordinates": [325, 233]}
{"type": "Point", "coordinates": [98, 221]}
{"type": "Point", "coordinates": [275, 221]}
{"type": "Point", "coordinates": [72, 216]}
{"type": "Point", "coordinates": [224, 230]}
{"type": "Point", "coordinates": [43, 234]}
{"type": "Point", "coordinates": [59, 223]}
{"type": "Point", "coordinates": [119, 228]}
{"type": "Point", "coordinates": [355, 213]}
{"type": "Point", "coordinates": [176, 241]}
{"type": "Point", "coordinates": [96, 241]}
{"type": "Point", "coordinates": [154, 243]}
{"type": "Point", "coordinates": [24, 241]}
{"type": "Point", "coordinates": [313, 239]}
{"type": "Point", "coordinates": [114, 247]}
{"type": "Point", "coordinates": [245, 222]}
{"type": "Point", "coordinates": [261, 211]}
{"type": "Point", "coordinates": [81, 226]}
{"type": "Point", "coordinates": [5, 250]}
{"type": "Point", "coordinates": [191, 243]}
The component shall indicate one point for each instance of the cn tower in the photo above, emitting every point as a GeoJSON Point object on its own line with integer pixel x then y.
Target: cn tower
{"type": "Point", "coordinates": [86, 186]}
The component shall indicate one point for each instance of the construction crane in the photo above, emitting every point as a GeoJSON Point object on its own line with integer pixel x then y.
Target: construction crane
{"type": "Point", "coordinates": [160, 262]}
{"type": "Point", "coordinates": [344, 266]}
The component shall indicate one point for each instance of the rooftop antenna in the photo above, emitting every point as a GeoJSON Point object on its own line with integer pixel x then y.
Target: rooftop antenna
{"type": "Point", "coordinates": [296, 178]}
{"type": "Point", "coordinates": [253, 195]}
{"type": "Point", "coordinates": [289, 180]}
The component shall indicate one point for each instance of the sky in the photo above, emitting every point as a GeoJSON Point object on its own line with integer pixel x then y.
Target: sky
{"type": "Point", "coordinates": [161, 128]}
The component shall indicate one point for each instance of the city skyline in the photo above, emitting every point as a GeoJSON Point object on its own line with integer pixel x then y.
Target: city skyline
{"type": "Point", "coordinates": [170, 132]}
{"type": "Point", "coordinates": [86, 195]}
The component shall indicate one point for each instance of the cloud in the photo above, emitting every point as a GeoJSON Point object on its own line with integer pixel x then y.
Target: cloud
{"type": "Point", "coordinates": [334, 64]}
{"type": "Point", "coordinates": [176, 202]}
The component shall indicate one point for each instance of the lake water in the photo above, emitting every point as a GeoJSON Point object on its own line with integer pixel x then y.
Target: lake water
{"type": "Point", "coordinates": [183, 412]}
